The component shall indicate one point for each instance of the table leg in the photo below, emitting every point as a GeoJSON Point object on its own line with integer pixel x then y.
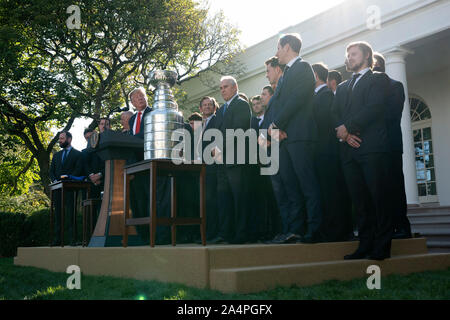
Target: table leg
{"type": "Point", "coordinates": [203, 205]}
{"type": "Point", "coordinates": [83, 242]}
{"type": "Point", "coordinates": [173, 213]}
{"type": "Point", "coordinates": [126, 208]}
{"type": "Point", "coordinates": [62, 215]}
{"type": "Point", "coordinates": [74, 218]}
{"type": "Point", "coordinates": [153, 219]}
{"type": "Point", "coordinates": [51, 217]}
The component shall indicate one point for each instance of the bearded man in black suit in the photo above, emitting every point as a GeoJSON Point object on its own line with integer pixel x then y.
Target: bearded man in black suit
{"type": "Point", "coordinates": [360, 121]}
{"type": "Point", "coordinates": [64, 163]}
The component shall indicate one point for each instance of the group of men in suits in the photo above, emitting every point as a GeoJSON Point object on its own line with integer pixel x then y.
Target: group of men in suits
{"type": "Point", "coordinates": [339, 145]}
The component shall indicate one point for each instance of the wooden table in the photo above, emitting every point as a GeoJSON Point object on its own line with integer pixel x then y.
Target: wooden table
{"type": "Point", "coordinates": [65, 186]}
{"type": "Point", "coordinates": [170, 169]}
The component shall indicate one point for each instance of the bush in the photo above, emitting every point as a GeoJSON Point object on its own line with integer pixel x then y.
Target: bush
{"type": "Point", "coordinates": [11, 232]}
{"type": "Point", "coordinates": [21, 230]}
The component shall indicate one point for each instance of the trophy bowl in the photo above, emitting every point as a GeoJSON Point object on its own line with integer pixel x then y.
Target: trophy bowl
{"type": "Point", "coordinates": [159, 78]}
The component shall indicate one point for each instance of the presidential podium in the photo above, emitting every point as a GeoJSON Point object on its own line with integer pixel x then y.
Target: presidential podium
{"type": "Point", "coordinates": [115, 149]}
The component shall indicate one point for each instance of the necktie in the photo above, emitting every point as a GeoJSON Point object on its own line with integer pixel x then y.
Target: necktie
{"type": "Point", "coordinates": [354, 78]}
{"type": "Point", "coordinates": [352, 84]}
{"type": "Point", "coordinates": [138, 123]}
{"type": "Point", "coordinates": [64, 155]}
{"type": "Point", "coordinates": [225, 108]}
{"type": "Point", "coordinates": [285, 70]}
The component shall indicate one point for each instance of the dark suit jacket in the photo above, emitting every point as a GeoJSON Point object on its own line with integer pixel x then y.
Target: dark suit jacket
{"type": "Point", "coordinates": [211, 125]}
{"type": "Point", "coordinates": [395, 103]}
{"type": "Point", "coordinates": [327, 143]}
{"type": "Point", "coordinates": [72, 165]}
{"type": "Point", "coordinates": [237, 116]}
{"type": "Point", "coordinates": [133, 118]}
{"type": "Point", "coordinates": [92, 162]}
{"type": "Point", "coordinates": [293, 103]}
{"type": "Point", "coordinates": [363, 113]}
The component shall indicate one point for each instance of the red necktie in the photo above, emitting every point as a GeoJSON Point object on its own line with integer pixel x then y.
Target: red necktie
{"type": "Point", "coordinates": [138, 123]}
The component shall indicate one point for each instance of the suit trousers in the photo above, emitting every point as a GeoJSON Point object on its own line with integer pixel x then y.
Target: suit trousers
{"type": "Point", "coordinates": [337, 224]}
{"type": "Point", "coordinates": [212, 215]}
{"type": "Point", "coordinates": [398, 199]}
{"type": "Point", "coordinates": [232, 195]}
{"type": "Point", "coordinates": [289, 197]}
{"type": "Point", "coordinates": [298, 161]}
{"type": "Point", "coordinates": [368, 180]}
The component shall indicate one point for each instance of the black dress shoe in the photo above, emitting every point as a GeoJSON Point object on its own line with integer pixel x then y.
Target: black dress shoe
{"type": "Point", "coordinates": [218, 240]}
{"type": "Point", "coordinates": [401, 234]}
{"type": "Point", "coordinates": [287, 238]}
{"type": "Point", "coordinates": [356, 256]}
{"type": "Point", "coordinates": [276, 238]}
{"type": "Point", "coordinates": [240, 240]}
{"type": "Point", "coordinates": [55, 243]}
{"type": "Point", "coordinates": [379, 257]}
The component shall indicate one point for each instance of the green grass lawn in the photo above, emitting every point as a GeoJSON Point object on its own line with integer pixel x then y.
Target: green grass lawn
{"type": "Point", "coordinates": [32, 283]}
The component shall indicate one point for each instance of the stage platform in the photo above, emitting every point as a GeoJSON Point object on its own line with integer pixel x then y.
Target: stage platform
{"type": "Point", "coordinates": [234, 268]}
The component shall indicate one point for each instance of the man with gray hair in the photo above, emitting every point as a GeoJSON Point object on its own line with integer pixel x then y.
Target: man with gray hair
{"type": "Point", "coordinates": [124, 119]}
{"type": "Point", "coordinates": [232, 180]}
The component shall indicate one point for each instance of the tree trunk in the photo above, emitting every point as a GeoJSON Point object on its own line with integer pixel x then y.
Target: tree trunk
{"type": "Point", "coordinates": [44, 170]}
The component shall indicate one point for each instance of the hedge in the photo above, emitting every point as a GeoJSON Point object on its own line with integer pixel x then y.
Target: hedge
{"type": "Point", "coordinates": [23, 230]}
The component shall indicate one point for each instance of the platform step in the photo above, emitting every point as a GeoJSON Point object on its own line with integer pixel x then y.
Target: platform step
{"type": "Point", "coordinates": [255, 279]}
{"type": "Point", "coordinates": [444, 226]}
{"type": "Point", "coordinates": [433, 209]}
{"type": "Point", "coordinates": [260, 255]}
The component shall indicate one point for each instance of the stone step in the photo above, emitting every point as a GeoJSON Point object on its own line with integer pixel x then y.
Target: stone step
{"type": "Point", "coordinates": [431, 225]}
{"type": "Point", "coordinates": [260, 255]}
{"type": "Point", "coordinates": [429, 217]}
{"type": "Point", "coordinates": [423, 210]}
{"type": "Point", "coordinates": [255, 279]}
{"type": "Point", "coordinates": [438, 244]}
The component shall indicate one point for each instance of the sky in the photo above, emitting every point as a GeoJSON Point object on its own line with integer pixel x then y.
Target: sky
{"type": "Point", "coordinates": [257, 20]}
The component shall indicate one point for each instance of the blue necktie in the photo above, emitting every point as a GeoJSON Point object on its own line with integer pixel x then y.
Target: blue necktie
{"type": "Point", "coordinates": [64, 155]}
{"type": "Point", "coordinates": [225, 108]}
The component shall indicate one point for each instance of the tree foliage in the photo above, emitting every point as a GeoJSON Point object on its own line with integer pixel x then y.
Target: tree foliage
{"type": "Point", "coordinates": [51, 74]}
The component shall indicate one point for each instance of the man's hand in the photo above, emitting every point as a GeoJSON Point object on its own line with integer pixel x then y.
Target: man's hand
{"type": "Point", "coordinates": [342, 133]}
{"type": "Point", "coordinates": [278, 135]}
{"type": "Point", "coordinates": [353, 141]}
{"type": "Point", "coordinates": [217, 155]}
{"type": "Point", "coordinates": [96, 178]}
{"type": "Point", "coordinates": [263, 142]}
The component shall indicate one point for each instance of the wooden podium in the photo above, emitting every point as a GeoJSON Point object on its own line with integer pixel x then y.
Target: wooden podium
{"type": "Point", "coordinates": [114, 148]}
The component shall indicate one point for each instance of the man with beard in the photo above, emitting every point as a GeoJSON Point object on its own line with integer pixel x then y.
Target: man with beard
{"type": "Point", "coordinates": [360, 112]}
{"type": "Point", "coordinates": [65, 162]}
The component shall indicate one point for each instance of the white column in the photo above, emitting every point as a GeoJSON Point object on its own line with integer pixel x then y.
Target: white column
{"type": "Point", "coordinates": [396, 69]}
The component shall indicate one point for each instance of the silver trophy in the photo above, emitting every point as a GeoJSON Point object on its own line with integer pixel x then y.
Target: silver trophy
{"type": "Point", "coordinates": [165, 118]}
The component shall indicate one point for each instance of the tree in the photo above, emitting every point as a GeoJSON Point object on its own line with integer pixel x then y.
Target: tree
{"type": "Point", "coordinates": [51, 74]}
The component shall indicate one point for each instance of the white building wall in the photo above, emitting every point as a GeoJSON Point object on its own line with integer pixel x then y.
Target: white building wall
{"type": "Point", "coordinates": [434, 89]}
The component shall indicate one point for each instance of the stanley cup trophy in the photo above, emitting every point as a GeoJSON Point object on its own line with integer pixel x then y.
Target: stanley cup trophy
{"type": "Point", "coordinates": [165, 118]}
